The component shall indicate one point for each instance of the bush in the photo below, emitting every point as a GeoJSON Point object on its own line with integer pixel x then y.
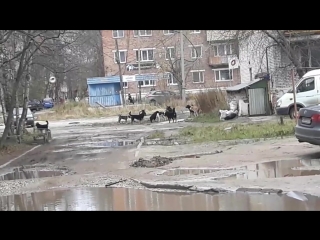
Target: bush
{"type": "Point", "coordinates": [211, 101]}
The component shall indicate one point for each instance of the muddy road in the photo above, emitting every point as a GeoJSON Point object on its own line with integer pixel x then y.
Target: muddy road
{"type": "Point", "coordinates": [72, 171]}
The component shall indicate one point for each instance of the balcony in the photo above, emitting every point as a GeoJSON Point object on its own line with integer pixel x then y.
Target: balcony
{"type": "Point", "coordinates": [219, 61]}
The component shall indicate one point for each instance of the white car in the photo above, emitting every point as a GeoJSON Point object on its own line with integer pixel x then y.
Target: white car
{"type": "Point", "coordinates": [29, 118]}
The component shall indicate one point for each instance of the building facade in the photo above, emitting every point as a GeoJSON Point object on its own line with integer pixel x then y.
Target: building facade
{"type": "Point", "coordinates": [206, 65]}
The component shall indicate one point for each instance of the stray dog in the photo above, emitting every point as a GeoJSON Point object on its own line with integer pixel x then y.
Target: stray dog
{"type": "Point", "coordinates": [194, 110]}
{"type": "Point", "coordinates": [171, 114]}
{"type": "Point", "coordinates": [123, 118]}
{"type": "Point", "coordinates": [42, 126]}
{"type": "Point", "coordinates": [138, 117]}
{"type": "Point", "coordinates": [227, 114]}
{"type": "Point", "coordinates": [161, 115]}
{"type": "Point", "coordinates": [154, 116]}
{"type": "Point", "coordinates": [230, 116]}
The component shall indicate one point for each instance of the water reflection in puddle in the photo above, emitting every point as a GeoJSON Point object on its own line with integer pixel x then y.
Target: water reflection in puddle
{"type": "Point", "coordinates": [275, 169]}
{"type": "Point", "coordinates": [133, 199]}
{"type": "Point", "coordinates": [193, 171]}
{"type": "Point", "coordinates": [29, 174]}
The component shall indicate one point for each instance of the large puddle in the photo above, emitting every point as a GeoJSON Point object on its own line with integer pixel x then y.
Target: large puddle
{"type": "Point", "coordinates": [133, 199]}
{"type": "Point", "coordinates": [275, 169]}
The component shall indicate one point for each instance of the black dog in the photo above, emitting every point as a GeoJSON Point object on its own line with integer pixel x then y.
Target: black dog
{"type": "Point", "coordinates": [42, 126]}
{"type": "Point", "coordinates": [171, 114]}
{"type": "Point", "coordinates": [123, 118]}
{"type": "Point", "coordinates": [230, 116]}
{"type": "Point", "coordinates": [138, 117]}
{"type": "Point", "coordinates": [154, 116]}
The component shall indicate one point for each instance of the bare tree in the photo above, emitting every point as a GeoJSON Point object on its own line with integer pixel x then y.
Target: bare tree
{"type": "Point", "coordinates": [170, 59]}
{"type": "Point", "coordinates": [17, 52]}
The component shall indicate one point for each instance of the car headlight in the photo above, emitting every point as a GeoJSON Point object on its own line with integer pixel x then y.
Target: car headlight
{"type": "Point", "coordinates": [279, 102]}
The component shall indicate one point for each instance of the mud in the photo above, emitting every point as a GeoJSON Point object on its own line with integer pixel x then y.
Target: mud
{"type": "Point", "coordinates": [156, 161]}
{"type": "Point", "coordinates": [117, 199]}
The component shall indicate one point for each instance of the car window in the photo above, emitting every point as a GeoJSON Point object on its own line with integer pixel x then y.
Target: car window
{"type": "Point", "coordinates": [20, 111]}
{"type": "Point", "coordinates": [306, 85]}
{"type": "Point", "coordinates": [158, 93]}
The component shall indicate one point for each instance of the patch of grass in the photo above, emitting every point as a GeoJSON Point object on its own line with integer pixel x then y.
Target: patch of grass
{"type": "Point", "coordinates": [207, 118]}
{"type": "Point", "coordinates": [238, 131]}
{"type": "Point", "coordinates": [156, 134]}
{"type": "Point", "coordinates": [76, 110]}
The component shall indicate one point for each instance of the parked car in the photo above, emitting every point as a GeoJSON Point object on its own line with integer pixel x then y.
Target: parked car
{"type": "Point", "coordinates": [160, 97]}
{"type": "Point", "coordinates": [48, 103]}
{"type": "Point", "coordinates": [308, 126]}
{"type": "Point", "coordinates": [35, 105]}
{"type": "Point", "coordinates": [307, 94]}
{"type": "Point", "coordinates": [29, 118]}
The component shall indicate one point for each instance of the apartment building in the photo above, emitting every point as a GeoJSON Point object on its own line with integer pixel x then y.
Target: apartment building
{"type": "Point", "coordinates": [206, 65]}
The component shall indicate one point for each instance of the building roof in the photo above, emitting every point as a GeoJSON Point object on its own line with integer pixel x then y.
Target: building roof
{"type": "Point", "coordinates": [241, 86]}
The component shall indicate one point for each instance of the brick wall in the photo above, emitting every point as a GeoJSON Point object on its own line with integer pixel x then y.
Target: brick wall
{"type": "Point", "coordinates": [158, 41]}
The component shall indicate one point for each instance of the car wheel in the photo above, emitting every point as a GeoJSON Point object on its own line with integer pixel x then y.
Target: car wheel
{"type": "Point", "coordinates": [291, 112]}
{"type": "Point", "coordinates": [153, 102]}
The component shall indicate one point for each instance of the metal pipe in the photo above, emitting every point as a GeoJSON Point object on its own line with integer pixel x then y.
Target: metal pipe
{"type": "Point", "coordinates": [183, 83]}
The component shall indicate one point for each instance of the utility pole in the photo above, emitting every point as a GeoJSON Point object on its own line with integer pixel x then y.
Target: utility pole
{"type": "Point", "coordinates": [139, 58]}
{"type": "Point", "coordinates": [294, 96]}
{"type": "Point", "coordinates": [183, 83]}
{"type": "Point", "coordinates": [120, 73]}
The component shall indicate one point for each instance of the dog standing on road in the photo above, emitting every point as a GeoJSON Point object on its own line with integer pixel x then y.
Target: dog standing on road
{"type": "Point", "coordinates": [154, 116]}
{"type": "Point", "coordinates": [123, 118]}
{"type": "Point", "coordinates": [171, 114]}
{"type": "Point", "coordinates": [139, 117]}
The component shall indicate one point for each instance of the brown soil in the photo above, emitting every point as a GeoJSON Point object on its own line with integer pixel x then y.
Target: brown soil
{"type": "Point", "coordinates": [12, 151]}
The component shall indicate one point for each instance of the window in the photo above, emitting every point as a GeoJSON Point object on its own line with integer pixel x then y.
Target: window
{"type": "Point", "coordinates": [196, 52]}
{"type": "Point", "coordinates": [197, 76]}
{"type": "Point", "coordinates": [168, 32]}
{"type": "Point", "coordinates": [171, 80]}
{"type": "Point", "coordinates": [306, 85]}
{"type": "Point", "coordinates": [147, 83]}
{"type": "Point", "coordinates": [145, 55]}
{"type": "Point", "coordinates": [142, 33]}
{"type": "Point", "coordinates": [170, 53]}
{"type": "Point", "coordinates": [117, 33]}
{"type": "Point", "coordinates": [125, 84]}
{"type": "Point", "coordinates": [223, 75]}
{"type": "Point", "coordinates": [122, 56]}
{"type": "Point", "coordinates": [223, 49]}
{"type": "Point", "coordinates": [195, 31]}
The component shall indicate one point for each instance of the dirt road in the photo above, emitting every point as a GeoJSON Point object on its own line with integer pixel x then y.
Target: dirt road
{"type": "Point", "coordinates": [86, 155]}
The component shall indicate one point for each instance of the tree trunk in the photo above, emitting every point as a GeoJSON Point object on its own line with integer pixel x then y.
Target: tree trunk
{"type": "Point", "coordinates": [17, 111]}
{"type": "Point", "coordinates": [10, 114]}
{"type": "Point", "coordinates": [25, 103]}
{"type": "Point", "coordinates": [16, 84]}
{"type": "Point", "coordinates": [2, 102]}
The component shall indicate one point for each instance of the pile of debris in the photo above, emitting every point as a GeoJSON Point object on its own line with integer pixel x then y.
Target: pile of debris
{"type": "Point", "coordinates": [156, 161]}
